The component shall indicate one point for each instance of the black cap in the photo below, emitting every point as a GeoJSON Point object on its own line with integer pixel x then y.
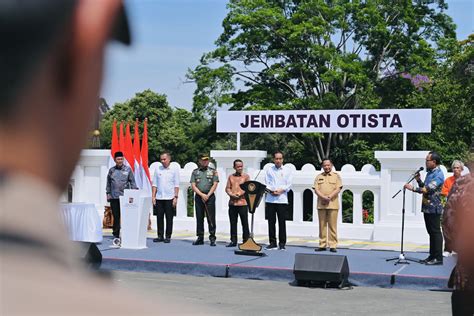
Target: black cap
{"type": "Point", "coordinates": [121, 30]}
{"type": "Point", "coordinates": [118, 154]}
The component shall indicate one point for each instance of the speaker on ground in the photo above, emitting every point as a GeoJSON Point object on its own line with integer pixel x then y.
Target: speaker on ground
{"type": "Point", "coordinates": [321, 269]}
{"type": "Point", "coordinates": [90, 254]}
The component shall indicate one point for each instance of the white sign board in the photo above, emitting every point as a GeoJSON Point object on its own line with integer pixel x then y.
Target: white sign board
{"type": "Point", "coordinates": [328, 121]}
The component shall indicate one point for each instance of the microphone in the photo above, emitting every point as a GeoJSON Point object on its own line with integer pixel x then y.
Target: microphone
{"type": "Point", "coordinates": [418, 171]}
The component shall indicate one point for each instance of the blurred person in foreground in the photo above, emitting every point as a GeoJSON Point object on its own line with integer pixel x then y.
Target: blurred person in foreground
{"type": "Point", "coordinates": [51, 61]}
{"type": "Point", "coordinates": [459, 219]}
{"type": "Point", "coordinates": [457, 167]}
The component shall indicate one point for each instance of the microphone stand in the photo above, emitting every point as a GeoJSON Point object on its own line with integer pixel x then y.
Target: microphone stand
{"type": "Point", "coordinates": [402, 259]}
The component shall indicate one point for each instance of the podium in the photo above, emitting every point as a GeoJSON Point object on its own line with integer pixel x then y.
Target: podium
{"type": "Point", "coordinates": [254, 191]}
{"type": "Point", "coordinates": [134, 208]}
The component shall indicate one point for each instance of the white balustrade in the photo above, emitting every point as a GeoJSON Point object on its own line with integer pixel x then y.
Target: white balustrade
{"type": "Point", "coordinates": [89, 180]}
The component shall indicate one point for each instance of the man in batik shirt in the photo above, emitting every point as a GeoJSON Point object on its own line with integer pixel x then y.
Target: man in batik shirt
{"type": "Point", "coordinates": [431, 205]}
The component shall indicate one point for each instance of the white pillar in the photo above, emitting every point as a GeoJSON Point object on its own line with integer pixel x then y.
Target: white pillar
{"type": "Point", "coordinates": [297, 205]}
{"type": "Point", "coordinates": [104, 170]}
{"type": "Point", "coordinates": [396, 168]}
{"type": "Point", "coordinates": [181, 207]}
{"type": "Point", "coordinates": [78, 193]}
{"type": "Point", "coordinates": [357, 207]}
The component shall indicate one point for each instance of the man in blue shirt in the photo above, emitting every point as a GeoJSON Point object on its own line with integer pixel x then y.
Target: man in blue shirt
{"type": "Point", "coordinates": [431, 205]}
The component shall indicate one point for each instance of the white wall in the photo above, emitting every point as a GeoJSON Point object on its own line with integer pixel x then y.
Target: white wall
{"type": "Point", "coordinates": [90, 175]}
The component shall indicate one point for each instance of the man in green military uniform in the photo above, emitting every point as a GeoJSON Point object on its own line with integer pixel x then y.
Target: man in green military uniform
{"type": "Point", "coordinates": [204, 182]}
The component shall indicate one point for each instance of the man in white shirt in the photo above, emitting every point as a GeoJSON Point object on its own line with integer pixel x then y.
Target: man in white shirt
{"type": "Point", "coordinates": [278, 180]}
{"type": "Point", "coordinates": [165, 196]}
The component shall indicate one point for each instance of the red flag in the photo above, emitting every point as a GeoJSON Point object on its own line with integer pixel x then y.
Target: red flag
{"type": "Point", "coordinates": [144, 153]}
{"type": "Point", "coordinates": [136, 153]}
{"type": "Point", "coordinates": [115, 142]}
{"type": "Point", "coordinates": [136, 144]}
{"type": "Point", "coordinates": [121, 138]}
{"type": "Point", "coordinates": [128, 153]}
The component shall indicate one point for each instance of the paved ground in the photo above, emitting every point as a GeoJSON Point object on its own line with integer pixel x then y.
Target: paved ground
{"type": "Point", "coordinates": [221, 296]}
{"type": "Point", "coordinates": [306, 241]}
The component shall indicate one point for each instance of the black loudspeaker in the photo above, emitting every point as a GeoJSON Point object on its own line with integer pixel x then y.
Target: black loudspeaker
{"type": "Point", "coordinates": [90, 255]}
{"type": "Point", "coordinates": [319, 268]}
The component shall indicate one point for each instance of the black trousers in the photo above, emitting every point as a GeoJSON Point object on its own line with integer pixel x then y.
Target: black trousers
{"type": "Point", "coordinates": [115, 206]}
{"type": "Point", "coordinates": [462, 303]}
{"type": "Point", "coordinates": [234, 213]}
{"type": "Point", "coordinates": [273, 210]}
{"type": "Point", "coordinates": [210, 214]}
{"type": "Point", "coordinates": [162, 209]}
{"type": "Point", "coordinates": [433, 227]}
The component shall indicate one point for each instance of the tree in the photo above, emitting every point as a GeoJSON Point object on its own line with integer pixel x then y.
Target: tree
{"type": "Point", "coordinates": [451, 97]}
{"type": "Point", "coordinates": [316, 54]}
{"type": "Point", "coordinates": [175, 130]}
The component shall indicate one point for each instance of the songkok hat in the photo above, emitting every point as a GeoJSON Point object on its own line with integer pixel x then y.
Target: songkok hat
{"type": "Point", "coordinates": [204, 156]}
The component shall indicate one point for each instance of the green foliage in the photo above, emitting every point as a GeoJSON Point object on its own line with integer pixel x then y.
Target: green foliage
{"type": "Point", "coordinates": [319, 54]}
{"type": "Point", "coordinates": [368, 207]}
{"type": "Point", "coordinates": [190, 203]}
{"type": "Point", "coordinates": [347, 206]}
{"type": "Point", "coordinates": [175, 130]}
{"type": "Point", "coordinates": [451, 97]}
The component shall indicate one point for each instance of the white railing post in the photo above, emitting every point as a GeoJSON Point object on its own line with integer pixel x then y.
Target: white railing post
{"type": "Point", "coordinates": [298, 205]}
{"type": "Point", "coordinates": [357, 207]}
{"type": "Point", "coordinates": [90, 174]}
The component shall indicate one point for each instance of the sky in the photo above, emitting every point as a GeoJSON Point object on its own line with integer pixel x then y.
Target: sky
{"type": "Point", "coordinates": [170, 36]}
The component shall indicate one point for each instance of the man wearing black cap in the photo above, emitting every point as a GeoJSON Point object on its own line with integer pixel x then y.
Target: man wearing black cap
{"type": "Point", "coordinates": [204, 182]}
{"type": "Point", "coordinates": [119, 178]}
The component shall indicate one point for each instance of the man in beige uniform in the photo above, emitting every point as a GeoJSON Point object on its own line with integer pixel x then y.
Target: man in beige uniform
{"type": "Point", "coordinates": [51, 62]}
{"type": "Point", "coordinates": [327, 186]}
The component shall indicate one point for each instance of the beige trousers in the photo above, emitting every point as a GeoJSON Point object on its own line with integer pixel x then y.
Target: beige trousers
{"type": "Point", "coordinates": [327, 221]}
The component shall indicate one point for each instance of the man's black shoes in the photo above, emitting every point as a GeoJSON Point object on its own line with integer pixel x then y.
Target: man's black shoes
{"type": "Point", "coordinates": [271, 247]}
{"type": "Point", "coordinates": [213, 243]}
{"type": "Point", "coordinates": [320, 249]}
{"type": "Point", "coordinates": [231, 244]}
{"type": "Point", "coordinates": [333, 250]}
{"type": "Point", "coordinates": [167, 240]}
{"type": "Point", "coordinates": [159, 239]}
{"type": "Point", "coordinates": [434, 262]}
{"type": "Point", "coordinates": [426, 260]}
{"type": "Point", "coordinates": [198, 241]}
